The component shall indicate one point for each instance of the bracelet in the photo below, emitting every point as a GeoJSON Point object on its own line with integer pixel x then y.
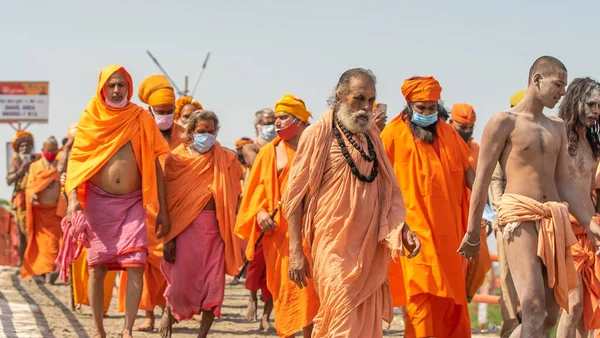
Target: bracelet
{"type": "Point", "coordinates": [476, 244]}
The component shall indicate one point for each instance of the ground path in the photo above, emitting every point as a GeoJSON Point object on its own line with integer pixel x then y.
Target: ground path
{"type": "Point", "coordinates": [28, 309]}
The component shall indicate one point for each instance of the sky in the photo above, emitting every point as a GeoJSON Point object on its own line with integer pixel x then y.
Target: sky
{"type": "Point", "coordinates": [260, 50]}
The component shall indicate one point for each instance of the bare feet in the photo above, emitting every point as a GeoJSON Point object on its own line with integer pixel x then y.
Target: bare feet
{"type": "Point", "coordinates": [197, 318]}
{"type": "Point", "coordinates": [235, 281]}
{"type": "Point", "coordinates": [126, 334]}
{"type": "Point", "coordinates": [98, 334]}
{"type": "Point", "coordinates": [78, 309]}
{"type": "Point", "coordinates": [147, 325]}
{"type": "Point", "coordinates": [165, 326]}
{"type": "Point", "coordinates": [251, 314]}
{"type": "Point", "coordinates": [265, 326]}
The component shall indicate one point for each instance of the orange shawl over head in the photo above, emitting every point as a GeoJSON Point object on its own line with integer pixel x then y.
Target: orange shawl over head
{"type": "Point", "coordinates": [191, 181]}
{"type": "Point", "coordinates": [38, 179]}
{"type": "Point", "coordinates": [437, 202]}
{"type": "Point", "coordinates": [102, 131]}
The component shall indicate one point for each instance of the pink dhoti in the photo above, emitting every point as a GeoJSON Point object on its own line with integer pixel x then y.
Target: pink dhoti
{"type": "Point", "coordinates": [118, 225]}
{"type": "Point", "coordinates": [196, 281]}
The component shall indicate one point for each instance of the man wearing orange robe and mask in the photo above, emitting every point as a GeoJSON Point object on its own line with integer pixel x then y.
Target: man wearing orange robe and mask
{"type": "Point", "coordinates": [158, 94]}
{"type": "Point", "coordinates": [42, 194]}
{"type": "Point", "coordinates": [463, 118]}
{"type": "Point", "coordinates": [294, 308]}
{"type": "Point", "coordinates": [22, 144]}
{"type": "Point", "coordinates": [203, 187]}
{"type": "Point", "coordinates": [431, 163]}
{"type": "Point", "coordinates": [114, 166]}
{"type": "Point", "coordinates": [343, 199]}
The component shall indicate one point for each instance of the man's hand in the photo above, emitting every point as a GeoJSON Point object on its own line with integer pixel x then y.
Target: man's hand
{"type": "Point", "coordinates": [411, 242]}
{"type": "Point", "coordinates": [265, 222]}
{"type": "Point", "coordinates": [63, 178]}
{"type": "Point", "coordinates": [23, 169]}
{"type": "Point", "coordinates": [169, 251]}
{"type": "Point", "coordinates": [34, 199]}
{"type": "Point", "coordinates": [380, 120]}
{"type": "Point", "coordinates": [163, 222]}
{"type": "Point", "coordinates": [72, 207]}
{"type": "Point", "coordinates": [594, 235]}
{"type": "Point", "coordinates": [298, 269]}
{"type": "Point", "coordinates": [469, 247]}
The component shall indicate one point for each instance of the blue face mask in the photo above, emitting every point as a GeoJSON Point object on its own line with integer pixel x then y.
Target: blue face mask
{"type": "Point", "coordinates": [268, 132]}
{"type": "Point", "coordinates": [422, 120]}
{"type": "Point", "coordinates": [204, 142]}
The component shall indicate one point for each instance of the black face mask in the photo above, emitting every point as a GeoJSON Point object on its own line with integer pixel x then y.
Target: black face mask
{"type": "Point", "coordinates": [465, 136]}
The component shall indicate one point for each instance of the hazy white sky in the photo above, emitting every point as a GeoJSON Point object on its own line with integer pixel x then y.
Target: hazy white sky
{"type": "Point", "coordinates": [479, 51]}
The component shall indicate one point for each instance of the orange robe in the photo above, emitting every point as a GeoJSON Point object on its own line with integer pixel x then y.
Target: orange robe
{"type": "Point", "coordinates": [43, 223]}
{"type": "Point", "coordinates": [353, 229]}
{"type": "Point", "coordinates": [154, 282]}
{"type": "Point", "coordinates": [555, 238]}
{"type": "Point", "coordinates": [215, 174]}
{"type": "Point", "coordinates": [587, 265]}
{"type": "Point", "coordinates": [478, 268]}
{"type": "Point", "coordinates": [294, 308]}
{"type": "Point", "coordinates": [80, 277]}
{"type": "Point", "coordinates": [432, 285]}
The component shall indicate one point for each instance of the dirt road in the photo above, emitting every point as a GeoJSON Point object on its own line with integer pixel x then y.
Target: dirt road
{"type": "Point", "coordinates": [33, 310]}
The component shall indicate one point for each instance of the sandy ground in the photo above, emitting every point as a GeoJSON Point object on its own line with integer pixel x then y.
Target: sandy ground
{"type": "Point", "coordinates": [42, 310]}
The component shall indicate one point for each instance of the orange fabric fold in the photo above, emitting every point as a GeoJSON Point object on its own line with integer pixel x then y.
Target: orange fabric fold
{"type": "Point", "coordinates": [437, 200]}
{"type": "Point", "coordinates": [191, 181]}
{"type": "Point", "coordinates": [294, 308]}
{"type": "Point", "coordinates": [586, 264]}
{"type": "Point", "coordinates": [353, 228]}
{"type": "Point", "coordinates": [102, 131]}
{"type": "Point", "coordinates": [555, 239]}
{"type": "Point", "coordinates": [44, 242]}
{"type": "Point", "coordinates": [38, 179]}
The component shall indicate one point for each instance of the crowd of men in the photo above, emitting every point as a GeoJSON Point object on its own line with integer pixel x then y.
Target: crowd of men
{"type": "Point", "coordinates": [335, 222]}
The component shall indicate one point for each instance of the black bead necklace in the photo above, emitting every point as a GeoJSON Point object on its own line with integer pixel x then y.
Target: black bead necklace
{"type": "Point", "coordinates": [372, 157]}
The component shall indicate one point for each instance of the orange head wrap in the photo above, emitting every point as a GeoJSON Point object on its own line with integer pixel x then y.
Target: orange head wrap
{"type": "Point", "coordinates": [294, 106]}
{"type": "Point", "coordinates": [421, 88]}
{"type": "Point", "coordinates": [242, 142]}
{"type": "Point", "coordinates": [463, 113]}
{"type": "Point", "coordinates": [181, 102]}
{"type": "Point", "coordinates": [20, 137]}
{"type": "Point", "coordinates": [156, 90]}
{"type": "Point", "coordinates": [517, 97]}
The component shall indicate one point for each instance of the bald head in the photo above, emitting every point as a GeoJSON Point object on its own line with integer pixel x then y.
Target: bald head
{"type": "Point", "coordinates": [546, 66]}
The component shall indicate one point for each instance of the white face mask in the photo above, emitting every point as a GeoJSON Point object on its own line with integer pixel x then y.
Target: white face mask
{"type": "Point", "coordinates": [268, 132]}
{"type": "Point", "coordinates": [121, 104]}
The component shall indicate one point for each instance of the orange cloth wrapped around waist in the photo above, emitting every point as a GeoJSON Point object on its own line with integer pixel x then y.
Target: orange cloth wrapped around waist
{"type": "Point", "coordinates": [586, 264]}
{"type": "Point", "coordinates": [44, 242]}
{"type": "Point", "coordinates": [555, 238]}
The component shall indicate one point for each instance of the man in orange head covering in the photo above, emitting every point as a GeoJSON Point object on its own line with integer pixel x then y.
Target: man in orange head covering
{"type": "Point", "coordinates": [343, 199]}
{"type": "Point", "coordinates": [114, 159]}
{"type": "Point", "coordinates": [43, 217]}
{"type": "Point", "coordinates": [294, 308]}
{"type": "Point", "coordinates": [431, 163]}
{"type": "Point", "coordinates": [203, 186]}
{"type": "Point", "coordinates": [22, 144]}
{"type": "Point", "coordinates": [158, 94]}
{"type": "Point", "coordinates": [184, 107]}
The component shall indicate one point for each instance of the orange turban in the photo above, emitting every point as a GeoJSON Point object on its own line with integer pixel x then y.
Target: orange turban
{"type": "Point", "coordinates": [241, 142]}
{"type": "Point", "coordinates": [463, 113]}
{"type": "Point", "coordinates": [182, 101]}
{"type": "Point", "coordinates": [156, 90]}
{"type": "Point", "coordinates": [20, 137]}
{"type": "Point", "coordinates": [421, 88]}
{"type": "Point", "coordinates": [517, 97]}
{"type": "Point", "coordinates": [292, 105]}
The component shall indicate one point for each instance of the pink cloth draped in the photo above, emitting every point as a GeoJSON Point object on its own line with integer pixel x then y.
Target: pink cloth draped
{"type": "Point", "coordinates": [74, 232]}
{"type": "Point", "coordinates": [196, 281]}
{"type": "Point", "coordinates": [118, 223]}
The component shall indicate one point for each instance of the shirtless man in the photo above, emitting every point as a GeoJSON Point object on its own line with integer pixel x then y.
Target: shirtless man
{"type": "Point", "coordinates": [112, 158]}
{"type": "Point", "coordinates": [531, 149]}
{"type": "Point", "coordinates": [580, 110]}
